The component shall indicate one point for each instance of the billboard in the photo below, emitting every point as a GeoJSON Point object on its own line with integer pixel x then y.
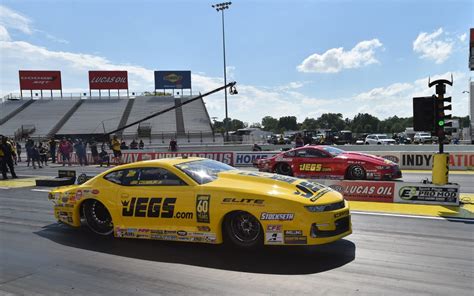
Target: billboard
{"type": "Point", "coordinates": [108, 80]}
{"type": "Point", "coordinates": [39, 80]}
{"type": "Point", "coordinates": [172, 79]}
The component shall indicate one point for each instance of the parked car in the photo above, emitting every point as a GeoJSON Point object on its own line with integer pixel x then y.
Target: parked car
{"type": "Point", "coordinates": [379, 139]}
{"type": "Point", "coordinates": [422, 138]}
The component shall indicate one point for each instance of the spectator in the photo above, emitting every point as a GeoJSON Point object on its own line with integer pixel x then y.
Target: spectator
{"type": "Point", "coordinates": [18, 152]}
{"type": "Point", "coordinates": [256, 147]}
{"type": "Point", "coordinates": [104, 156]}
{"type": "Point", "coordinates": [35, 156]}
{"type": "Point", "coordinates": [299, 141]}
{"type": "Point", "coordinates": [43, 154]}
{"type": "Point", "coordinates": [115, 144]}
{"type": "Point", "coordinates": [134, 144]}
{"type": "Point", "coordinates": [29, 150]}
{"type": "Point", "coordinates": [173, 145]}
{"type": "Point", "coordinates": [65, 148]}
{"type": "Point", "coordinates": [80, 149]}
{"type": "Point", "coordinates": [123, 146]}
{"type": "Point", "coordinates": [7, 155]}
{"type": "Point", "coordinates": [94, 151]}
{"type": "Point", "coordinates": [141, 145]}
{"type": "Point", "coordinates": [52, 149]}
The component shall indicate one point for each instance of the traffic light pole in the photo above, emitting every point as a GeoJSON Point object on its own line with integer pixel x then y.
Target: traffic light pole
{"type": "Point", "coordinates": [440, 171]}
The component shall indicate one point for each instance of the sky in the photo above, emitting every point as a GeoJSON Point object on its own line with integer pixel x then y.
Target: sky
{"type": "Point", "coordinates": [289, 58]}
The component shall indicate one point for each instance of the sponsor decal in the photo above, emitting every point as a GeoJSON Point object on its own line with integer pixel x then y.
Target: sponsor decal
{"type": "Point", "coordinates": [341, 214]}
{"type": "Point", "coordinates": [79, 194]}
{"type": "Point", "coordinates": [182, 233]}
{"type": "Point", "coordinates": [204, 228]}
{"type": "Point", "coordinates": [243, 201]}
{"type": "Point", "coordinates": [156, 231]}
{"type": "Point", "coordinates": [203, 208]}
{"type": "Point", "coordinates": [274, 237]}
{"type": "Point", "coordinates": [296, 240]}
{"type": "Point", "coordinates": [277, 216]}
{"type": "Point", "coordinates": [293, 232]}
{"type": "Point", "coordinates": [311, 190]}
{"type": "Point", "coordinates": [128, 232]}
{"type": "Point", "coordinates": [95, 191]}
{"type": "Point", "coordinates": [274, 228]}
{"type": "Point", "coordinates": [313, 167]}
{"type": "Point", "coordinates": [420, 193]}
{"type": "Point", "coordinates": [155, 207]}
{"type": "Point", "coordinates": [366, 191]}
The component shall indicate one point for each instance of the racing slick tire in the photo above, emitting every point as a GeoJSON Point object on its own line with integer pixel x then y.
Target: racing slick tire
{"type": "Point", "coordinates": [97, 217]}
{"type": "Point", "coordinates": [356, 172]}
{"type": "Point", "coordinates": [243, 230]}
{"type": "Point", "coordinates": [283, 169]}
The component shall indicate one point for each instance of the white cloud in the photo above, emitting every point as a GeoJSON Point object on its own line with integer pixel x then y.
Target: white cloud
{"type": "Point", "coordinates": [4, 36]}
{"type": "Point", "coordinates": [462, 37]}
{"type": "Point", "coordinates": [435, 46]}
{"type": "Point", "coordinates": [397, 98]}
{"type": "Point", "coordinates": [14, 20]}
{"type": "Point", "coordinates": [336, 59]}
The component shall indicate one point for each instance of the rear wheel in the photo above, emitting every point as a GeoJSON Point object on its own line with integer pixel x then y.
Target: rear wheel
{"type": "Point", "coordinates": [97, 217]}
{"type": "Point", "coordinates": [243, 230]}
{"type": "Point", "coordinates": [356, 172]}
{"type": "Point", "coordinates": [284, 169]}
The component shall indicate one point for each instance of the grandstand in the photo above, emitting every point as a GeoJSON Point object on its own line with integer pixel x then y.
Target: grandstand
{"type": "Point", "coordinates": [79, 117]}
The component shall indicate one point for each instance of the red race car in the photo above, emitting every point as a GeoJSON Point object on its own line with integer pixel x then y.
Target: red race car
{"type": "Point", "coordinates": [329, 162]}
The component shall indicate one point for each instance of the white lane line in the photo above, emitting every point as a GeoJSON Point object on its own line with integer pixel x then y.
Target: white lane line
{"type": "Point", "coordinates": [414, 216]}
{"type": "Point", "coordinates": [41, 190]}
{"type": "Point", "coordinates": [5, 188]}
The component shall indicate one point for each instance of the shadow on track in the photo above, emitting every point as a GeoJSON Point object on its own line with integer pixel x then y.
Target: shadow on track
{"type": "Point", "coordinates": [269, 260]}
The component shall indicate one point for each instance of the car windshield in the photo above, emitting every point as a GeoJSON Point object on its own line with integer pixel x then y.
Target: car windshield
{"type": "Point", "coordinates": [383, 137]}
{"type": "Point", "coordinates": [203, 171]}
{"type": "Point", "coordinates": [333, 151]}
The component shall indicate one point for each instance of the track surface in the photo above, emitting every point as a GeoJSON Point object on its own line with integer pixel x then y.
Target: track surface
{"type": "Point", "coordinates": [385, 255]}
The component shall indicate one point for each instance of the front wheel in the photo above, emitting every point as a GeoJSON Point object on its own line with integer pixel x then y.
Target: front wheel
{"type": "Point", "coordinates": [243, 230]}
{"type": "Point", "coordinates": [356, 172]}
{"type": "Point", "coordinates": [284, 169]}
{"type": "Point", "coordinates": [97, 217]}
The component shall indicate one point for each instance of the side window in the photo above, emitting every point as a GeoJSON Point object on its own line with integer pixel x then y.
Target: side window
{"type": "Point", "coordinates": [290, 154]}
{"type": "Point", "coordinates": [156, 177]}
{"type": "Point", "coordinates": [115, 177]}
{"type": "Point", "coordinates": [315, 153]}
{"type": "Point", "coordinates": [301, 153]}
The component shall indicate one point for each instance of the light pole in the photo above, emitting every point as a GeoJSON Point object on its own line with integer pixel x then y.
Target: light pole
{"type": "Point", "coordinates": [221, 7]}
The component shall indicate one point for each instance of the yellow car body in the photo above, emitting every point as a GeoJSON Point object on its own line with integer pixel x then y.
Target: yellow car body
{"type": "Point", "coordinates": [160, 199]}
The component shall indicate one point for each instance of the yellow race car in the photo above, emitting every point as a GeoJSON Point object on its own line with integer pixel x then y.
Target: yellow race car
{"type": "Point", "coordinates": [202, 200]}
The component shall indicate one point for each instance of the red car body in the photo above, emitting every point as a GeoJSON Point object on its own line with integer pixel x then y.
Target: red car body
{"type": "Point", "coordinates": [329, 162]}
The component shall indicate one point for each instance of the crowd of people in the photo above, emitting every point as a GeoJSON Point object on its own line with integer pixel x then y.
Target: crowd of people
{"type": "Point", "coordinates": [39, 153]}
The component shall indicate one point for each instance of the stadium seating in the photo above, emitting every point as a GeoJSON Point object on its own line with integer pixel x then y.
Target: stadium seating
{"type": "Point", "coordinates": [42, 114]}
{"type": "Point", "coordinates": [91, 114]}
{"type": "Point", "coordinates": [195, 117]}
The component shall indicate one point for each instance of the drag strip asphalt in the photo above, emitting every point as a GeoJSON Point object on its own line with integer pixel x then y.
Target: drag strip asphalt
{"type": "Point", "coordinates": [387, 255]}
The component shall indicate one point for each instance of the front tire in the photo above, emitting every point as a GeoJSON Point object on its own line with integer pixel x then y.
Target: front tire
{"type": "Point", "coordinates": [356, 172]}
{"type": "Point", "coordinates": [284, 169]}
{"type": "Point", "coordinates": [97, 217]}
{"type": "Point", "coordinates": [243, 230]}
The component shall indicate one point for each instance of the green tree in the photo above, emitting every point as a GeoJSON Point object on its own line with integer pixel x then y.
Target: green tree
{"type": "Point", "coordinates": [288, 123]}
{"type": "Point", "coordinates": [270, 124]}
{"type": "Point", "coordinates": [365, 123]}
{"type": "Point", "coordinates": [332, 121]}
{"type": "Point", "coordinates": [309, 124]}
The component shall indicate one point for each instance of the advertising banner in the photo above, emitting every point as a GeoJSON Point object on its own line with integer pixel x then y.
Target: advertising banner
{"type": "Point", "coordinates": [424, 160]}
{"type": "Point", "coordinates": [39, 80]}
{"type": "Point", "coordinates": [128, 157]}
{"type": "Point", "coordinates": [377, 191]}
{"type": "Point", "coordinates": [248, 158]}
{"type": "Point", "coordinates": [418, 193]}
{"type": "Point", "coordinates": [172, 79]}
{"type": "Point", "coordinates": [108, 80]}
